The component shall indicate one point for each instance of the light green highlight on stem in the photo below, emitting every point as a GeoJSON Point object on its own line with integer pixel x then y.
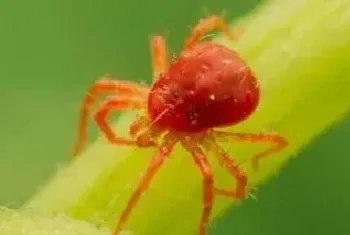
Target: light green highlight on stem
{"type": "Point", "coordinates": [299, 50]}
{"type": "Point", "coordinates": [25, 222]}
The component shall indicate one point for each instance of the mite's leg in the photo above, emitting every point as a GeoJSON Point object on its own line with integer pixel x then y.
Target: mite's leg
{"type": "Point", "coordinates": [140, 123]}
{"type": "Point", "coordinates": [104, 85]}
{"type": "Point", "coordinates": [208, 184]}
{"type": "Point", "coordinates": [208, 24]}
{"type": "Point", "coordinates": [159, 55]}
{"type": "Point", "coordinates": [231, 166]}
{"type": "Point", "coordinates": [156, 162]}
{"type": "Point", "coordinates": [278, 142]}
{"type": "Point", "coordinates": [145, 134]}
{"type": "Point", "coordinates": [118, 104]}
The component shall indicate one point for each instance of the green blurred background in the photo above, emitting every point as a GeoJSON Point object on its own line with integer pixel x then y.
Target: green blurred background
{"type": "Point", "coordinates": [51, 51]}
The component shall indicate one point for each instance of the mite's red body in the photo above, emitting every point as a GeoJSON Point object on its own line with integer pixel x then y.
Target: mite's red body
{"type": "Point", "coordinates": [208, 86]}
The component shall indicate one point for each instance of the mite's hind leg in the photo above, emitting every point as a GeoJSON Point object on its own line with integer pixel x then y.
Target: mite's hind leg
{"type": "Point", "coordinates": [103, 85]}
{"type": "Point", "coordinates": [278, 142]}
{"type": "Point", "coordinates": [208, 24]}
{"type": "Point", "coordinates": [231, 166]}
{"type": "Point", "coordinates": [157, 161]}
{"type": "Point", "coordinates": [159, 52]}
{"type": "Point", "coordinates": [208, 184]}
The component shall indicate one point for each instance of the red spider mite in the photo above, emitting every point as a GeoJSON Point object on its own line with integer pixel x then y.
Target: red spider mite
{"type": "Point", "coordinates": [207, 86]}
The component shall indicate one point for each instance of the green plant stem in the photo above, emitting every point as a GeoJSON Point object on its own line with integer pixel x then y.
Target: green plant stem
{"type": "Point", "coordinates": [300, 51]}
{"type": "Point", "coordinates": [25, 222]}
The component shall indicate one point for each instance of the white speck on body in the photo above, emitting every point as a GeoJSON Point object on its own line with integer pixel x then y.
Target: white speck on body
{"type": "Point", "coordinates": [212, 97]}
{"type": "Point", "coordinates": [204, 67]}
{"type": "Point", "coordinates": [226, 62]}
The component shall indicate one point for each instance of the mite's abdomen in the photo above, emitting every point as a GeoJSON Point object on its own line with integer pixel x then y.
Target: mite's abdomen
{"type": "Point", "coordinates": [208, 86]}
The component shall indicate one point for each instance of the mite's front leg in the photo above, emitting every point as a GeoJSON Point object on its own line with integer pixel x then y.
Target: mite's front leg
{"type": "Point", "coordinates": [103, 85]}
{"type": "Point", "coordinates": [118, 104]}
{"type": "Point", "coordinates": [208, 24]}
{"type": "Point", "coordinates": [157, 161]}
{"type": "Point", "coordinates": [159, 54]}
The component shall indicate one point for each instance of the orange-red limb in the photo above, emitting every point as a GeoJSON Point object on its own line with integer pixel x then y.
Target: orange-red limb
{"type": "Point", "coordinates": [278, 141]}
{"type": "Point", "coordinates": [153, 167]}
{"type": "Point", "coordinates": [205, 26]}
{"type": "Point", "coordinates": [232, 167]}
{"type": "Point", "coordinates": [159, 55]}
{"type": "Point", "coordinates": [140, 123]}
{"type": "Point", "coordinates": [118, 104]}
{"type": "Point", "coordinates": [99, 87]}
{"type": "Point", "coordinates": [208, 184]}
{"type": "Point", "coordinates": [144, 132]}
